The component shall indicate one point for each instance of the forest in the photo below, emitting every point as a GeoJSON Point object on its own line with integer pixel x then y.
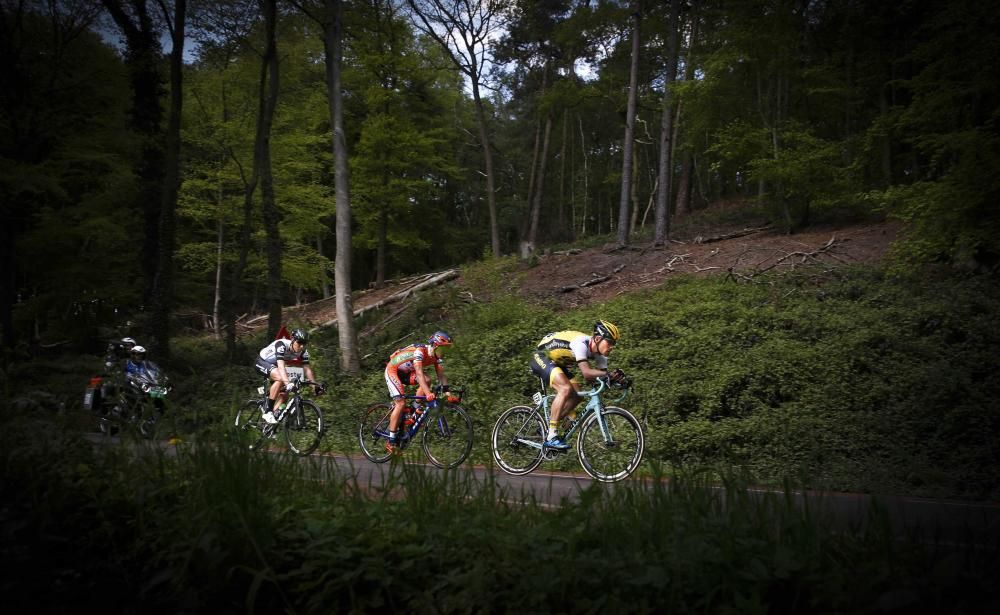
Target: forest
{"type": "Point", "coordinates": [174, 165]}
{"type": "Point", "coordinates": [184, 171]}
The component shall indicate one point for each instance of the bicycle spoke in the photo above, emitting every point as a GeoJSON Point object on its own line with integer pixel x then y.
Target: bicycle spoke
{"type": "Point", "coordinates": [373, 432]}
{"type": "Point", "coordinates": [447, 436]}
{"type": "Point", "coordinates": [613, 456]}
{"type": "Point", "coordinates": [513, 435]}
{"type": "Point", "coordinates": [249, 424]}
{"type": "Point", "coordinates": [304, 428]}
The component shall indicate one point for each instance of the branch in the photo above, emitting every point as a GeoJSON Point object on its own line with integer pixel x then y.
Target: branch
{"type": "Point", "coordinates": [828, 249]}
{"type": "Point", "coordinates": [595, 280]}
{"type": "Point", "coordinates": [434, 280]}
{"type": "Point", "coordinates": [746, 231]}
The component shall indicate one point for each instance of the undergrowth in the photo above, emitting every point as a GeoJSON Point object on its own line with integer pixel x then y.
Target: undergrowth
{"type": "Point", "coordinates": [192, 529]}
{"type": "Point", "coordinates": [848, 379]}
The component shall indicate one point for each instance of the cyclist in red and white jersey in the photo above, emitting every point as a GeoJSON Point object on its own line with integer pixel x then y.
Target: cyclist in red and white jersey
{"type": "Point", "coordinates": [406, 367]}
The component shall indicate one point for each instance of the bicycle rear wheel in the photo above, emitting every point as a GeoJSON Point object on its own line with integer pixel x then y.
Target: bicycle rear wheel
{"type": "Point", "coordinates": [373, 433]}
{"type": "Point", "coordinates": [615, 457]}
{"type": "Point", "coordinates": [304, 428]}
{"type": "Point", "coordinates": [447, 437]}
{"type": "Point", "coordinates": [250, 424]}
{"type": "Point", "coordinates": [517, 440]}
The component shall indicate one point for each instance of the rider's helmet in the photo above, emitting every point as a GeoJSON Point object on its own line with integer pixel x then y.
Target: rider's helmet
{"type": "Point", "coordinates": [128, 343]}
{"type": "Point", "coordinates": [607, 330]}
{"type": "Point", "coordinates": [299, 335]}
{"type": "Point", "coordinates": [138, 353]}
{"type": "Point", "coordinates": [439, 342]}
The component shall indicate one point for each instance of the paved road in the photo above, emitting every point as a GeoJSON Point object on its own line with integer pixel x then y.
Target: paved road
{"type": "Point", "coordinates": [934, 521]}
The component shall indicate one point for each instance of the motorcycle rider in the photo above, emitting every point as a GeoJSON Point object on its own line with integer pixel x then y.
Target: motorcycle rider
{"type": "Point", "coordinates": [116, 352]}
{"type": "Point", "coordinates": [136, 363]}
{"type": "Point", "coordinates": [114, 370]}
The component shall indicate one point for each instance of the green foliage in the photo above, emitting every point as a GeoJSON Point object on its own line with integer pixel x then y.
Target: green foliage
{"type": "Point", "coordinates": [221, 529]}
{"type": "Point", "coordinates": [950, 202]}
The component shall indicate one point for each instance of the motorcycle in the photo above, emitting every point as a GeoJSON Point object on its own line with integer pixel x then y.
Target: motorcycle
{"type": "Point", "coordinates": [137, 399]}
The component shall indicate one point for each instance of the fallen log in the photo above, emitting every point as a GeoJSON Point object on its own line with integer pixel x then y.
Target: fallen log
{"type": "Point", "coordinates": [592, 281]}
{"type": "Point", "coordinates": [403, 294]}
{"type": "Point", "coordinates": [733, 235]}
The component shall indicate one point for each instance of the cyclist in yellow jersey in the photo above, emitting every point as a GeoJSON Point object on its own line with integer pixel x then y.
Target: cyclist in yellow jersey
{"type": "Point", "coordinates": [557, 353]}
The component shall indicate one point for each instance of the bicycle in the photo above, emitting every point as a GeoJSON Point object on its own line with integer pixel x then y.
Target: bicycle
{"type": "Point", "coordinates": [446, 441]}
{"type": "Point", "coordinates": [300, 419]}
{"type": "Point", "coordinates": [610, 443]}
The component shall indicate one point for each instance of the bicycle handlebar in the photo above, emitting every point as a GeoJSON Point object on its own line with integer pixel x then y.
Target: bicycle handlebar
{"type": "Point", "coordinates": [299, 381]}
{"type": "Point", "coordinates": [604, 382]}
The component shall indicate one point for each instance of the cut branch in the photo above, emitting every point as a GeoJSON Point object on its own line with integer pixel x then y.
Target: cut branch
{"type": "Point", "coordinates": [432, 280]}
{"type": "Point", "coordinates": [592, 281]}
{"type": "Point", "coordinates": [741, 233]}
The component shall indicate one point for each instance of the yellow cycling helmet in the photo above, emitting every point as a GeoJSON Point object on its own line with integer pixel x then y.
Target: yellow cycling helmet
{"type": "Point", "coordinates": [607, 330]}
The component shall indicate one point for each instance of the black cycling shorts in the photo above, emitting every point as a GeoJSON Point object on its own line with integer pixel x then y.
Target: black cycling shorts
{"type": "Point", "coordinates": [543, 367]}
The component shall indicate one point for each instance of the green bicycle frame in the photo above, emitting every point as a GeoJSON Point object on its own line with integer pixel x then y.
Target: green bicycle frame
{"type": "Point", "coordinates": [594, 404]}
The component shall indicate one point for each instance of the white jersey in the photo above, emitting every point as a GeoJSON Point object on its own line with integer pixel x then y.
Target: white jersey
{"type": "Point", "coordinates": [281, 350]}
{"type": "Point", "coordinates": [566, 348]}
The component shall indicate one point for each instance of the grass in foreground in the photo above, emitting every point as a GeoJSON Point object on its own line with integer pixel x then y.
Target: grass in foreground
{"type": "Point", "coordinates": [219, 529]}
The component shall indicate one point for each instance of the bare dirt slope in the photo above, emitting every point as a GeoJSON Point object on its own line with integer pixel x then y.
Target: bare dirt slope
{"type": "Point", "coordinates": [598, 274]}
{"type": "Point", "coordinates": [580, 277]}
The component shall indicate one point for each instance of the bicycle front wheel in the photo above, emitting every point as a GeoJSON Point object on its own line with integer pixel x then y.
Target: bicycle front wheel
{"type": "Point", "coordinates": [250, 424]}
{"type": "Point", "coordinates": [373, 433]}
{"type": "Point", "coordinates": [447, 437]}
{"type": "Point", "coordinates": [615, 455]}
{"type": "Point", "coordinates": [304, 428]}
{"type": "Point", "coordinates": [517, 440]}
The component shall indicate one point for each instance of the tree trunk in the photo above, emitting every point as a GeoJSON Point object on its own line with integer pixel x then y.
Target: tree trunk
{"type": "Point", "coordinates": [628, 146]}
{"type": "Point", "coordinates": [350, 360]}
{"type": "Point", "coordinates": [583, 149]}
{"type": "Point", "coordinates": [269, 208]}
{"type": "Point", "coordinates": [529, 198]}
{"type": "Point", "coordinates": [326, 283]}
{"type": "Point", "coordinates": [217, 300]}
{"type": "Point", "coordinates": [665, 168]}
{"type": "Point", "coordinates": [536, 205]}
{"type": "Point", "coordinates": [164, 288]}
{"type": "Point", "coordinates": [491, 197]}
{"type": "Point", "coordinates": [683, 203]}
{"type": "Point", "coordinates": [382, 245]}
{"type": "Point", "coordinates": [143, 57]}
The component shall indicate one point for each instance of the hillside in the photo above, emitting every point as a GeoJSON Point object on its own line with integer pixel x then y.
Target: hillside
{"type": "Point", "coordinates": [579, 277]}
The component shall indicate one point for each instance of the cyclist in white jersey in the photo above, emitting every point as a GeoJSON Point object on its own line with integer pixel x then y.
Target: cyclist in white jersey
{"type": "Point", "coordinates": [271, 362]}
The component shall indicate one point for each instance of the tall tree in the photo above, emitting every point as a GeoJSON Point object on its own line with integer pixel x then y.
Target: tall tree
{"type": "Point", "coordinates": [262, 161]}
{"type": "Point", "coordinates": [333, 30]}
{"type": "Point", "coordinates": [331, 18]}
{"type": "Point", "coordinates": [464, 29]}
{"type": "Point", "coordinates": [628, 146]}
{"type": "Point", "coordinates": [143, 56]}
{"type": "Point", "coordinates": [163, 290]}
{"type": "Point", "coordinates": [664, 170]}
